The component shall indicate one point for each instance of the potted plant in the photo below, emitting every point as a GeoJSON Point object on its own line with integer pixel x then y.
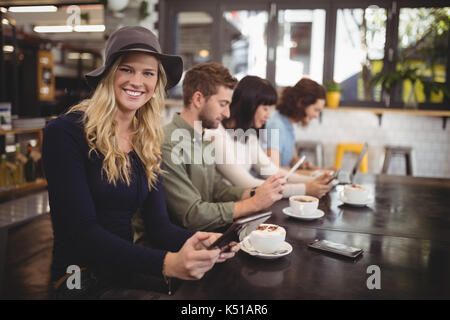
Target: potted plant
{"type": "Point", "coordinates": [433, 89]}
{"type": "Point", "coordinates": [390, 79]}
{"type": "Point", "coordinates": [333, 89]}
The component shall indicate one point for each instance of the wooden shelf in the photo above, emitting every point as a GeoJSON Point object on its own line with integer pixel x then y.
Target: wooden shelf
{"type": "Point", "coordinates": [430, 113]}
{"type": "Point", "coordinates": [380, 111]}
{"type": "Point", "coordinates": [26, 187]}
{"type": "Point", "coordinates": [20, 131]}
{"type": "Point", "coordinates": [174, 103]}
{"type": "Point", "coordinates": [23, 189]}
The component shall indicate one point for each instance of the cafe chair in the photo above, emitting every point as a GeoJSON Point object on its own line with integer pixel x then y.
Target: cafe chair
{"type": "Point", "coordinates": [311, 147]}
{"type": "Point", "coordinates": [391, 151]}
{"type": "Point", "coordinates": [356, 148]}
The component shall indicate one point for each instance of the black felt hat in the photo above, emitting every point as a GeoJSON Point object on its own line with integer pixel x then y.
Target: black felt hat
{"type": "Point", "coordinates": [136, 39]}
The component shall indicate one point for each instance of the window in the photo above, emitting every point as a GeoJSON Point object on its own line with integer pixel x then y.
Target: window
{"type": "Point", "coordinates": [384, 53]}
{"type": "Point", "coordinates": [359, 53]}
{"type": "Point", "coordinates": [245, 44]}
{"type": "Point", "coordinates": [300, 49]}
{"type": "Point", "coordinates": [194, 37]}
{"type": "Point", "coordinates": [423, 35]}
{"type": "Point", "coordinates": [193, 41]}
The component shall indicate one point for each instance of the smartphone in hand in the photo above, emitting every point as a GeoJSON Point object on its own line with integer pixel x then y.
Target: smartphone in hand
{"type": "Point", "coordinates": [333, 176]}
{"type": "Point", "coordinates": [244, 225]}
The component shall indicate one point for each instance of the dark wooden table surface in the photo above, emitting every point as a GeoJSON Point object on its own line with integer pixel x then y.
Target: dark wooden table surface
{"type": "Point", "coordinates": [405, 232]}
{"type": "Point", "coordinates": [15, 213]}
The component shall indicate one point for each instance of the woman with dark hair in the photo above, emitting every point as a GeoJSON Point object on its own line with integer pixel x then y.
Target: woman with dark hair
{"type": "Point", "coordinates": [298, 104]}
{"type": "Point", "coordinates": [237, 149]}
{"type": "Point", "coordinates": [252, 102]}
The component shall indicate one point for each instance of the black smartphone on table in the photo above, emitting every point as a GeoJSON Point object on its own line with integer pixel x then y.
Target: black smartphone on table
{"type": "Point", "coordinates": [239, 229]}
{"type": "Point", "coordinates": [336, 248]}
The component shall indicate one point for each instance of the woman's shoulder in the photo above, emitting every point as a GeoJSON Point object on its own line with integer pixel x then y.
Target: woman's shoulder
{"type": "Point", "coordinates": [68, 124]}
{"type": "Point", "coordinates": [71, 120]}
{"type": "Point", "coordinates": [278, 121]}
{"type": "Point", "coordinates": [275, 118]}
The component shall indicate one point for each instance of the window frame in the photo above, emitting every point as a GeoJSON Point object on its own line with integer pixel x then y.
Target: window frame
{"type": "Point", "coordinates": [168, 9]}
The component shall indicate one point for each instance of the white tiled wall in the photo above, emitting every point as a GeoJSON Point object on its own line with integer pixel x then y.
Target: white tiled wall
{"type": "Point", "coordinates": [430, 142]}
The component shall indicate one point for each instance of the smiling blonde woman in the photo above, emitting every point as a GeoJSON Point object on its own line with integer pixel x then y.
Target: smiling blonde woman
{"type": "Point", "coordinates": [102, 162]}
{"type": "Point", "coordinates": [99, 114]}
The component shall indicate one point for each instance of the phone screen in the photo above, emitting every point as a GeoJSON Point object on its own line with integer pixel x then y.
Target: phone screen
{"type": "Point", "coordinates": [337, 248]}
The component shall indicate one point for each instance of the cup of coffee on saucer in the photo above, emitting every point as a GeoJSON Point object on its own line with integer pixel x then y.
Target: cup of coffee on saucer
{"type": "Point", "coordinates": [356, 193]}
{"type": "Point", "coordinates": [267, 238]}
{"type": "Point", "coordinates": [303, 205]}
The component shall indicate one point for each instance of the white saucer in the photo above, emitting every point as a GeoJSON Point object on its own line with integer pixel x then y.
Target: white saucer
{"type": "Point", "coordinates": [369, 200]}
{"type": "Point", "coordinates": [316, 215]}
{"type": "Point", "coordinates": [246, 246]}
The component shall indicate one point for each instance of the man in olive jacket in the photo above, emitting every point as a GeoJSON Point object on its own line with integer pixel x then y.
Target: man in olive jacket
{"type": "Point", "coordinates": [196, 196]}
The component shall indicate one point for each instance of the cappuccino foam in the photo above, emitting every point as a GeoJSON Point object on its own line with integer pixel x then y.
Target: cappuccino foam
{"type": "Point", "coordinates": [355, 186]}
{"type": "Point", "coordinates": [269, 230]}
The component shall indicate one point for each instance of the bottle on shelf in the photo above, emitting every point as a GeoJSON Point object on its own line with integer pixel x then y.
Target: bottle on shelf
{"type": "Point", "coordinates": [30, 166]}
{"type": "Point", "coordinates": [10, 173]}
{"type": "Point", "coordinates": [4, 179]}
{"type": "Point", "coordinates": [19, 161]}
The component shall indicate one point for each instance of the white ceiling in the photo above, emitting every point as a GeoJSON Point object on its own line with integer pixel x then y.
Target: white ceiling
{"type": "Point", "coordinates": [45, 2]}
{"type": "Point", "coordinates": [26, 21]}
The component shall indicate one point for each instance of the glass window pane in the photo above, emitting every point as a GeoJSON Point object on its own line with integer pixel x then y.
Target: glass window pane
{"type": "Point", "coordinates": [245, 44]}
{"type": "Point", "coordinates": [423, 48]}
{"type": "Point", "coordinates": [360, 41]}
{"type": "Point", "coordinates": [193, 43]}
{"type": "Point", "coordinates": [300, 49]}
{"type": "Point", "coordinates": [194, 38]}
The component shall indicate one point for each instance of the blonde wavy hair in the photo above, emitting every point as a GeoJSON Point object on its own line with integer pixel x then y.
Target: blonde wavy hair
{"type": "Point", "coordinates": [102, 135]}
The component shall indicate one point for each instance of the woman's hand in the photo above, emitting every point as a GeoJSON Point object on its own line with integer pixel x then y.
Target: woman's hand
{"type": "Point", "coordinates": [320, 186]}
{"type": "Point", "coordinates": [270, 191]}
{"type": "Point", "coordinates": [324, 178]}
{"type": "Point", "coordinates": [194, 260]}
{"type": "Point", "coordinates": [317, 190]}
{"type": "Point", "coordinates": [227, 252]}
{"type": "Point", "coordinates": [308, 166]}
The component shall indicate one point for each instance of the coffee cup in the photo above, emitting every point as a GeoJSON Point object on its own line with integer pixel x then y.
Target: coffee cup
{"type": "Point", "coordinates": [356, 193]}
{"type": "Point", "coordinates": [267, 238]}
{"type": "Point", "coordinates": [303, 205]}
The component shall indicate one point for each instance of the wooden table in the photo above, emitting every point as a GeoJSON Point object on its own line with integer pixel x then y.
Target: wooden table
{"type": "Point", "coordinates": [15, 213]}
{"type": "Point", "coordinates": [405, 232]}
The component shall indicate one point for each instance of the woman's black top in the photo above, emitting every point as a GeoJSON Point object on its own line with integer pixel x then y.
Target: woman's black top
{"type": "Point", "coordinates": [92, 218]}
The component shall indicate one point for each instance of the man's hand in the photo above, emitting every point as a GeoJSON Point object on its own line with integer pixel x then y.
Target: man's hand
{"type": "Point", "coordinates": [269, 192]}
{"type": "Point", "coordinates": [265, 195]}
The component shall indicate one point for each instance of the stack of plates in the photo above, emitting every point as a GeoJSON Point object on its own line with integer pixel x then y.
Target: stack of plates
{"type": "Point", "coordinates": [32, 123]}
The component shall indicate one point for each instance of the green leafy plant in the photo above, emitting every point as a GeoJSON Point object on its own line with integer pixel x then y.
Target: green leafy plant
{"type": "Point", "coordinates": [392, 78]}
{"type": "Point", "coordinates": [143, 10]}
{"type": "Point", "coordinates": [333, 86]}
{"type": "Point", "coordinates": [434, 87]}
{"type": "Point", "coordinates": [85, 17]}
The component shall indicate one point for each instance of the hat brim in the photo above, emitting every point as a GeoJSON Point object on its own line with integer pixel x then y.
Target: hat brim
{"type": "Point", "coordinates": [172, 64]}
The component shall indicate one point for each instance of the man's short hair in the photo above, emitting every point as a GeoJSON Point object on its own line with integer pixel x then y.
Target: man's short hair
{"type": "Point", "coordinates": [206, 78]}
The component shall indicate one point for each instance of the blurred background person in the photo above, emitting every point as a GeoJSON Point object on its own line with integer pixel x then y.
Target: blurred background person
{"type": "Point", "coordinates": [239, 156]}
